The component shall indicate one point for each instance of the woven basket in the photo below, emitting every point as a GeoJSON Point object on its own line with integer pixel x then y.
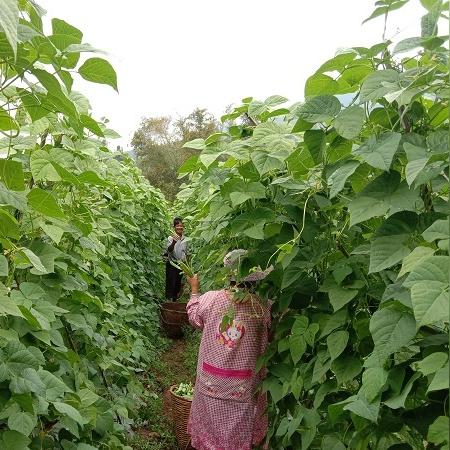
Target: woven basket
{"type": "Point", "coordinates": [173, 317]}
{"type": "Point", "coordinates": [181, 408]}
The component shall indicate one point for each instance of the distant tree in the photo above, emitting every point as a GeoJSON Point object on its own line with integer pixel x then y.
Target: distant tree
{"type": "Point", "coordinates": [158, 142]}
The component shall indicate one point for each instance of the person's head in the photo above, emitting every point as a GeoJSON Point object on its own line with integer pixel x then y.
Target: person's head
{"type": "Point", "coordinates": [178, 225]}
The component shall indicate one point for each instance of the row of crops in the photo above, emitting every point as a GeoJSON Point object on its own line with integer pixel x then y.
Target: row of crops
{"type": "Point", "coordinates": [347, 194]}
{"type": "Point", "coordinates": [80, 234]}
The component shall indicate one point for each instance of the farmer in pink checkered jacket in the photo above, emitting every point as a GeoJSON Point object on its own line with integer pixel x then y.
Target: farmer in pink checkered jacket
{"type": "Point", "coordinates": [227, 412]}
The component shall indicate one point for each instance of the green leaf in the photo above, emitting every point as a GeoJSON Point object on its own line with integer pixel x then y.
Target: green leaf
{"type": "Point", "coordinates": [3, 266]}
{"type": "Point", "coordinates": [70, 411]}
{"type": "Point", "coordinates": [398, 401]}
{"type": "Point", "coordinates": [340, 296]}
{"type": "Point", "coordinates": [13, 440]}
{"type": "Point", "coordinates": [379, 152]}
{"type": "Point", "coordinates": [54, 387]}
{"type": "Point", "coordinates": [43, 202]}
{"type": "Point", "coordinates": [22, 422]}
{"type": "Point", "coordinates": [339, 176]}
{"type": "Point", "coordinates": [414, 168]}
{"type": "Point", "coordinates": [386, 251]}
{"type": "Point", "coordinates": [34, 260]}
{"type": "Point", "coordinates": [362, 408]}
{"type": "Point", "coordinates": [346, 368]}
{"type": "Point", "coordinates": [438, 431]}
{"type": "Point", "coordinates": [438, 230]}
{"type": "Point", "coordinates": [430, 302]}
{"type": "Point", "coordinates": [54, 232]}
{"type": "Point", "coordinates": [349, 122]}
{"type": "Point", "coordinates": [378, 84]}
{"type": "Point", "coordinates": [11, 172]}
{"type": "Point", "coordinates": [440, 380]}
{"type": "Point", "coordinates": [431, 364]}
{"type": "Point", "coordinates": [386, 194]}
{"type": "Point", "coordinates": [7, 123]}
{"type": "Point", "coordinates": [9, 21]}
{"type": "Point", "coordinates": [373, 381]}
{"type": "Point", "coordinates": [319, 84]}
{"type": "Point", "coordinates": [414, 258]}
{"type": "Point", "coordinates": [391, 330]}
{"type": "Point", "coordinates": [61, 27]}
{"type": "Point", "coordinates": [15, 199]}
{"type": "Point", "coordinates": [319, 109]}
{"type": "Point", "coordinates": [297, 347]}
{"type": "Point", "coordinates": [336, 343]}
{"type": "Point", "coordinates": [9, 227]}
{"type": "Point", "coordinates": [429, 290]}
{"type": "Point", "coordinates": [91, 124]}
{"type": "Point", "coordinates": [267, 161]}
{"type": "Point", "coordinates": [99, 70]}
{"type": "Point", "coordinates": [9, 307]}
{"type": "Point", "coordinates": [41, 164]}
{"type": "Point", "coordinates": [55, 95]}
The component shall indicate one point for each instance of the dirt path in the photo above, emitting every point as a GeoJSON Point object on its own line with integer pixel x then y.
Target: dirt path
{"type": "Point", "coordinates": [176, 365]}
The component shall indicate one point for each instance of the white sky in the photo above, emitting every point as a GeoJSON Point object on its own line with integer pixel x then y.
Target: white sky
{"type": "Point", "coordinates": [174, 55]}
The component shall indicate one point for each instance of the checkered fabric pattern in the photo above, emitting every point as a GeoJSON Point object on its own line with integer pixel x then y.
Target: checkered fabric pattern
{"type": "Point", "coordinates": [226, 414]}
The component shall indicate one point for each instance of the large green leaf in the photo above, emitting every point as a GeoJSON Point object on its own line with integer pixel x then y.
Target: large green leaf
{"type": "Point", "coordinates": [9, 21]}
{"type": "Point", "coordinates": [3, 266]}
{"type": "Point", "coordinates": [438, 230]}
{"type": "Point", "coordinates": [339, 176]}
{"type": "Point", "coordinates": [13, 440]}
{"type": "Point", "coordinates": [319, 109]}
{"type": "Point", "coordinates": [378, 84]}
{"type": "Point", "coordinates": [7, 123]}
{"type": "Point", "coordinates": [385, 195]}
{"type": "Point", "coordinates": [320, 84]}
{"type": "Point", "coordinates": [440, 381]}
{"type": "Point", "coordinates": [9, 307]}
{"type": "Point", "coordinates": [361, 407]}
{"type": "Point", "coordinates": [45, 203]}
{"type": "Point", "coordinates": [429, 285]}
{"type": "Point", "coordinates": [431, 364]}
{"type": "Point", "coordinates": [12, 198]}
{"type": "Point", "coordinates": [99, 70]}
{"type": "Point", "coordinates": [398, 401]}
{"type": "Point", "coordinates": [379, 151]}
{"type": "Point", "coordinates": [349, 121]}
{"type": "Point", "coordinates": [267, 161]}
{"type": "Point", "coordinates": [386, 251]}
{"type": "Point", "coordinates": [11, 172]}
{"type": "Point", "coordinates": [41, 163]}
{"type": "Point", "coordinates": [373, 381]}
{"type": "Point", "coordinates": [336, 343]}
{"type": "Point", "coordinates": [9, 227]}
{"type": "Point", "coordinates": [391, 330]}
{"type": "Point", "coordinates": [70, 411]}
{"type": "Point", "coordinates": [438, 431]}
{"type": "Point", "coordinates": [22, 422]}
{"type": "Point", "coordinates": [346, 368]}
{"type": "Point", "coordinates": [414, 258]}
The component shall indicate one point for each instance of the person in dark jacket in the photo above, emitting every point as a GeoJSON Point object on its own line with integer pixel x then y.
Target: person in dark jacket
{"type": "Point", "coordinates": [176, 250]}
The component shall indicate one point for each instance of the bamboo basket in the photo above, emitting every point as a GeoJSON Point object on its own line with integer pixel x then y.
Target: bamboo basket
{"type": "Point", "coordinates": [180, 408]}
{"type": "Point", "coordinates": [173, 317]}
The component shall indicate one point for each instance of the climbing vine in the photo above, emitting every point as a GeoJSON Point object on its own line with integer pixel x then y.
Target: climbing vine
{"type": "Point", "coordinates": [80, 233]}
{"type": "Point", "coordinates": [346, 193]}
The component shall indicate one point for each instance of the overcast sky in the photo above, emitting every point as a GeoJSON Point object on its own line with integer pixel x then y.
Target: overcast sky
{"type": "Point", "coordinates": [172, 56]}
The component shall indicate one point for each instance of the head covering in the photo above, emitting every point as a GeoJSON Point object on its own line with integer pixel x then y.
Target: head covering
{"type": "Point", "coordinates": [232, 260]}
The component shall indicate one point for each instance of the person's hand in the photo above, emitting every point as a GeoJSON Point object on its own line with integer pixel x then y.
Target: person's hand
{"type": "Point", "coordinates": [194, 283]}
{"type": "Point", "coordinates": [175, 237]}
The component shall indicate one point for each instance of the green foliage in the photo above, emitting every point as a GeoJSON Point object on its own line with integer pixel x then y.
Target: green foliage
{"type": "Point", "coordinates": [350, 203]}
{"type": "Point", "coordinates": [80, 234]}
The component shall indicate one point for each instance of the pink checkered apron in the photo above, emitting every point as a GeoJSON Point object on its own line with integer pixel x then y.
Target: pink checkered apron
{"type": "Point", "coordinates": [226, 413]}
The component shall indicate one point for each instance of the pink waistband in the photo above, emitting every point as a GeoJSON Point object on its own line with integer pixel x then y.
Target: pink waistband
{"type": "Point", "coordinates": [227, 373]}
